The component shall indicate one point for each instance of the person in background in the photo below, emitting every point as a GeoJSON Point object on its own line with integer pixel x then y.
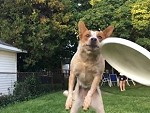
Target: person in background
{"type": "Point", "coordinates": [122, 82]}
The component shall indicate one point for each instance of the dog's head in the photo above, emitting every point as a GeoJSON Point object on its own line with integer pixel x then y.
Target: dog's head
{"type": "Point", "coordinates": [90, 39]}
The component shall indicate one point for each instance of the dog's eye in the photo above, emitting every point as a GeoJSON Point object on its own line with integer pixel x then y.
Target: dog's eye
{"type": "Point", "coordinates": [99, 37]}
{"type": "Point", "coordinates": [88, 35]}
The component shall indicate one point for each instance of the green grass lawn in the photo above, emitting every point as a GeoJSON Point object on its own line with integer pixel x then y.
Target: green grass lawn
{"type": "Point", "coordinates": [136, 99]}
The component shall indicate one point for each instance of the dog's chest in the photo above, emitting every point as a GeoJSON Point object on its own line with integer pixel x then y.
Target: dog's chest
{"type": "Point", "coordinates": [85, 73]}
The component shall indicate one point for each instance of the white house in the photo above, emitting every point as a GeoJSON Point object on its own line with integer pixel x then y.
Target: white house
{"type": "Point", "coordinates": [8, 67]}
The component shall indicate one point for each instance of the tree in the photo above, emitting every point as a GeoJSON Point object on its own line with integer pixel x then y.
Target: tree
{"type": "Point", "coordinates": [141, 22]}
{"type": "Point", "coordinates": [81, 5]}
{"type": "Point", "coordinates": [93, 2]}
{"type": "Point", "coordinates": [141, 14]}
{"type": "Point", "coordinates": [122, 21]}
{"type": "Point", "coordinates": [41, 27]}
{"type": "Point", "coordinates": [101, 14]}
{"type": "Point", "coordinates": [47, 29]}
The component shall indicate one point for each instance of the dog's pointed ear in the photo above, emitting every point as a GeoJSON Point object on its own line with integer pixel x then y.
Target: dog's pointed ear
{"type": "Point", "coordinates": [82, 28]}
{"type": "Point", "coordinates": [108, 31]}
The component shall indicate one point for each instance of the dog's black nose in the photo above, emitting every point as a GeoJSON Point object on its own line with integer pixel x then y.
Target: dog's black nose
{"type": "Point", "coordinates": [93, 39]}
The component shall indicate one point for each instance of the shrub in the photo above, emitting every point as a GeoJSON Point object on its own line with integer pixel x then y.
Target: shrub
{"type": "Point", "coordinates": [6, 99]}
{"type": "Point", "coordinates": [31, 87]}
{"type": "Point", "coordinates": [28, 88]}
{"type": "Point", "coordinates": [44, 88]}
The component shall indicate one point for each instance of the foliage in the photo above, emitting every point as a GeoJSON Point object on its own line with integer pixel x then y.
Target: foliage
{"type": "Point", "coordinates": [145, 42]}
{"type": "Point", "coordinates": [93, 2]}
{"type": "Point", "coordinates": [28, 88]}
{"type": "Point", "coordinates": [6, 99]}
{"type": "Point", "coordinates": [47, 29]}
{"type": "Point", "coordinates": [81, 5]}
{"type": "Point", "coordinates": [41, 28]}
{"type": "Point", "coordinates": [122, 21]}
{"type": "Point", "coordinates": [141, 14]}
{"type": "Point", "coordinates": [104, 13]}
{"type": "Point", "coordinates": [140, 20]}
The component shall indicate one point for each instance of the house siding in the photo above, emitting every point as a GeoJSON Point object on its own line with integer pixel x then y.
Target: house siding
{"type": "Point", "coordinates": [8, 64]}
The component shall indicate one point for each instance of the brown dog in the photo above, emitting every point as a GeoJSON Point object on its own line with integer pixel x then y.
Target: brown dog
{"type": "Point", "coordinates": [87, 65]}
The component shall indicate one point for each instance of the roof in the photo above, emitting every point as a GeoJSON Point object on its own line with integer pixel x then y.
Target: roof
{"type": "Point", "coordinates": [7, 47]}
{"type": "Point", "coordinates": [2, 42]}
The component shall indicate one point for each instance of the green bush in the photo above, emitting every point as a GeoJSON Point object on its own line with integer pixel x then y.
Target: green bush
{"type": "Point", "coordinates": [44, 88]}
{"type": "Point", "coordinates": [31, 87]}
{"type": "Point", "coordinates": [57, 87]}
{"type": "Point", "coordinates": [28, 88]}
{"type": "Point", "coordinates": [6, 99]}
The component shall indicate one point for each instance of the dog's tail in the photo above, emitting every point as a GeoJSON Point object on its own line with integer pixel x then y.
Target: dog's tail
{"type": "Point", "coordinates": [65, 93]}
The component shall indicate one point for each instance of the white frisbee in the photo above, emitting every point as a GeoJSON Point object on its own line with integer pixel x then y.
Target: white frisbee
{"type": "Point", "coordinates": [128, 58]}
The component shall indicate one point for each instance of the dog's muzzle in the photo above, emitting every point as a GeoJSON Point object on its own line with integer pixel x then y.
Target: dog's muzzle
{"type": "Point", "coordinates": [93, 42]}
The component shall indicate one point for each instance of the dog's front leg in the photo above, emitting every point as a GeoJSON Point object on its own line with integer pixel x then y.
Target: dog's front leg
{"type": "Point", "coordinates": [78, 99]}
{"type": "Point", "coordinates": [87, 100]}
{"type": "Point", "coordinates": [69, 100]}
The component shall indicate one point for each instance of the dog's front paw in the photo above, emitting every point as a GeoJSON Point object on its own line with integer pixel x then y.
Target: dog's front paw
{"type": "Point", "coordinates": [87, 102]}
{"type": "Point", "coordinates": [69, 102]}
